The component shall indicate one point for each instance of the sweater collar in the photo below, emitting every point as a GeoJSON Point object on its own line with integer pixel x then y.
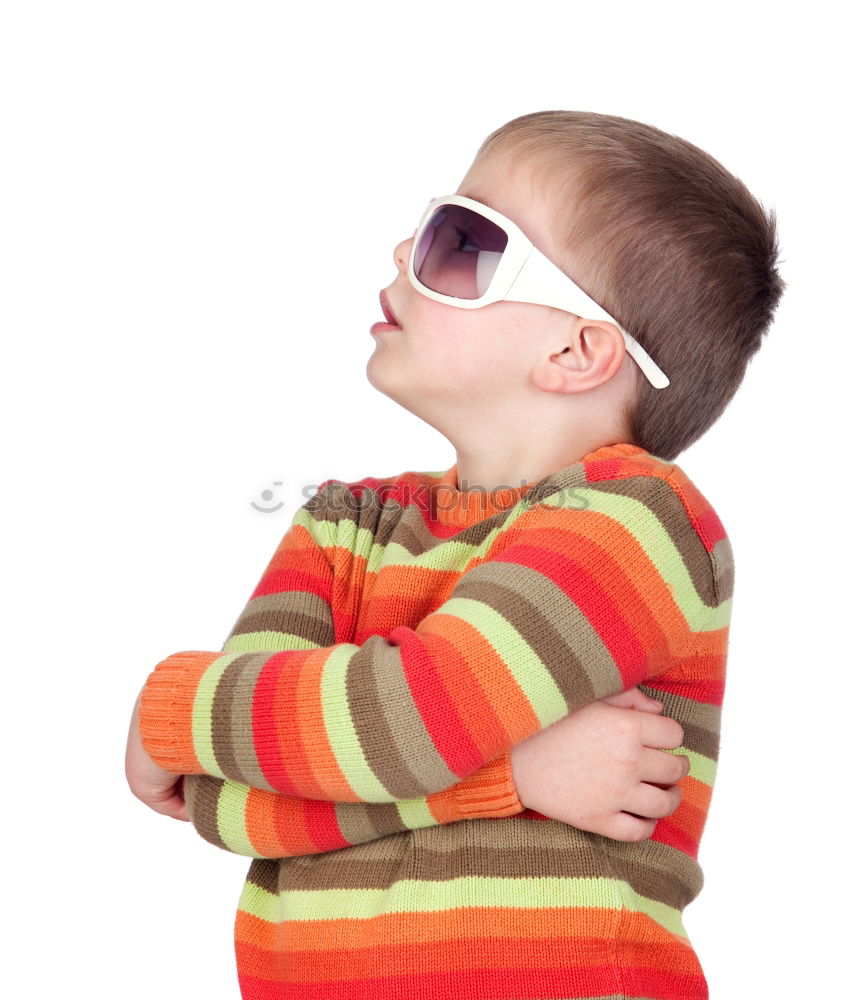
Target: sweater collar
{"type": "Point", "coordinates": [457, 505]}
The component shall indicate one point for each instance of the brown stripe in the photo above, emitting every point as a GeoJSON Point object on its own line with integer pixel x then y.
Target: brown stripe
{"type": "Point", "coordinates": [655, 870]}
{"type": "Point", "coordinates": [265, 874]}
{"type": "Point", "coordinates": [533, 849]}
{"type": "Point", "coordinates": [411, 534]}
{"type": "Point", "coordinates": [701, 723]}
{"type": "Point", "coordinates": [367, 511]}
{"type": "Point", "coordinates": [228, 711]}
{"type": "Point", "coordinates": [201, 793]}
{"type": "Point", "coordinates": [360, 822]}
{"type": "Point", "coordinates": [722, 556]}
{"type": "Point", "coordinates": [386, 861]}
{"type": "Point", "coordinates": [296, 613]}
{"type": "Point", "coordinates": [406, 774]}
{"type": "Point", "coordinates": [551, 623]}
{"type": "Point", "coordinates": [699, 740]}
{"type": "Point", "coordinates": [241, 696]}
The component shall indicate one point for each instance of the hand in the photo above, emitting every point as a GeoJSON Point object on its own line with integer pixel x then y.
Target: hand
{"type": "Point", "coordinates": [602, 768]}
{"type": "Point", "coordinates": [161, 790]}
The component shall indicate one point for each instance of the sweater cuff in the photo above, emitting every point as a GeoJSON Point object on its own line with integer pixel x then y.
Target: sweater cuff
{"type": "Point", "coordinates": [489, 792]}
{"type": "Point", "coordinates": [166, 711]}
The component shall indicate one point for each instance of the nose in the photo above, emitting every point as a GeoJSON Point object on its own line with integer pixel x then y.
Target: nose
{"type": "Point", "coordinates": [401, 254]}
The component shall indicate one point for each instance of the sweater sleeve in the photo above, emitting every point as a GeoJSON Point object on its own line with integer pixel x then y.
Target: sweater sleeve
{"type": "Point", "coordinates": [263, 824]}
{"type": "Point", "coordinates": [290, 609]}
{"type": "Point", "coordinates": [568, 605]}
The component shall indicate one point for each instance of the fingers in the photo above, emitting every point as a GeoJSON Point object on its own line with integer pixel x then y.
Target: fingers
{"type": "Point", "coordinates": [634, 698]}
{"type": "Point", "coordinates": [661, 732]}
{"type": "Point", "coordinates": [624, 826]}
{"type": "Point", "coordinates": [651, 802]}
{"type": "Point", "coordinates": [660, 768]}
{"type": "Point", "coordinates": [174, 806]}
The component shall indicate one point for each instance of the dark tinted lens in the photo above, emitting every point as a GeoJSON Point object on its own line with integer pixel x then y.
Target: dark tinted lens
{"type": "Point", "coordinates": [458, 252]}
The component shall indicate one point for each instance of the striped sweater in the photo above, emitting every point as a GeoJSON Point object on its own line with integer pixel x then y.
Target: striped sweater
{"type": "Point", "coordinates": [352, 737]}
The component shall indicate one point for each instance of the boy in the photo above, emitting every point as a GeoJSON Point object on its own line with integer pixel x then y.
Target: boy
{"type": "Point", "coordinates": [415, 639]}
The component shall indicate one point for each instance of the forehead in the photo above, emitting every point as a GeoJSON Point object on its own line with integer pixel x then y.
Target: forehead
{"type": "Point", "coordinates": [511, 183]}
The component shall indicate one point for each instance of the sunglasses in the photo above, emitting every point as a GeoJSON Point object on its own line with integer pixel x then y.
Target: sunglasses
{"type": "Point", "coordinates": [468, 255]}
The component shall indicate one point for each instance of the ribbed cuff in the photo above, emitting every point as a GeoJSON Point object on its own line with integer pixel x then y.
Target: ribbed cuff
{"type": "Point", "coordinates": [489, 792]}
{"type": "Point", "coordinates": [166, 710]}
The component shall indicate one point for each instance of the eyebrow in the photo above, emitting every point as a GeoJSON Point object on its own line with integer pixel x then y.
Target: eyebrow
{"type": "Point", "coordinates": [480, 200]}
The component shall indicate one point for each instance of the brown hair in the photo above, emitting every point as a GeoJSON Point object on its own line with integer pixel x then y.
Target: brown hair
{"type": "Point", "coordinates": [672, 245]}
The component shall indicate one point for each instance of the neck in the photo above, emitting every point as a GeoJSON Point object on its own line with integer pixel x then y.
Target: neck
{"type": "Point", "coordinates": [492, 469]}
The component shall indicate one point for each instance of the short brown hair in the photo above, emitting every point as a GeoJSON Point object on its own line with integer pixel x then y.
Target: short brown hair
{"type": "Point", "coordinates": [672, 245]}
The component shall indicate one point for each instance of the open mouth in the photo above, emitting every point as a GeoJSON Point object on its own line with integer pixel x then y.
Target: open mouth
{"type": "Point", "coordinates": [391, 319]}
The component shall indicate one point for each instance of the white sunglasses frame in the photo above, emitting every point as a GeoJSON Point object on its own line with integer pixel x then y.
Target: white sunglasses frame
{"type": "Point", "coordinates": [524, 274]}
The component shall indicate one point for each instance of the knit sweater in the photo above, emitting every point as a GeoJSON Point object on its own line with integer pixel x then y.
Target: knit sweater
{"type": "Point", "coordinates": [353, 735]}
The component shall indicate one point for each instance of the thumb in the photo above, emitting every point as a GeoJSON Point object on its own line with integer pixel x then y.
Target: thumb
{"type": "Point", "coordinates": [634, 698]}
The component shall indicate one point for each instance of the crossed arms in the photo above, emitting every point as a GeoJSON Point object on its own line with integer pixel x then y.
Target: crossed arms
{"type": "Point", "coordinates": [262, 783]}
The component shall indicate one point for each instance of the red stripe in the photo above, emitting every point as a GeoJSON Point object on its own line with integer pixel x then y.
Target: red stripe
{"type": "Point", "coordinates": [603, 613]}
{"type": "Point", "coordinates": [709, 528]}
{"type": "Point", "coordinates": [672, 836]}
{"type": "Point", "coordinates": [264, 713]}
{"type": "Point", "coordinates": [490, 984]}
{"type": "Point", "coordinates": [322, 825]}
{"type": "Point", "coordinates": [607, 468]}
{"type": "Point", "coordinates": [434, 704]}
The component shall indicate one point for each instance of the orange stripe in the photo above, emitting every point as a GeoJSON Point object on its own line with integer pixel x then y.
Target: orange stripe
{"type": "Point", "coordinates": [688, 820]}
{"type": "Point", "coordinates": [469, 923]}
{"type": "Point", "coordinates": [712, 643]}
{"type": "Point", "coordinates": [695, 793]}
{"type": "Point", "coordinates": [444, 806]}
{"type": "Point", "coordinates": [618, 564]}
{"type": "Point", "coordinates": [295, 549]}
{"type": "Point", "coordinates": [473, 953]}
{"type": "Point", "coordinates": [476, 707]}
{"type": "Point", "coordinates": [445, 635]}
{"type": "Point", "coordinates": [276, 826]}
{"type": "Point", "coordinates": [349, 584]}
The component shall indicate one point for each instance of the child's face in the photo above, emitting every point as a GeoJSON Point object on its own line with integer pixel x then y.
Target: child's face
{"type": "Point", "coordinates": [448, 364]}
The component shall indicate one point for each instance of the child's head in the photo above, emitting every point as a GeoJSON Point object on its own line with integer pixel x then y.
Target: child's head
{"type": "Point", "coordinates": [672, 246]}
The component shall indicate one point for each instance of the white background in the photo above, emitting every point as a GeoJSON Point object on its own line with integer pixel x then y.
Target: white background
{"type": "Point", "coordinates": [199, 205]}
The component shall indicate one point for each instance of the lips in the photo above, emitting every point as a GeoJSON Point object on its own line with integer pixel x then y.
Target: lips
{"type": "Point", "coordinates": [391, 319]}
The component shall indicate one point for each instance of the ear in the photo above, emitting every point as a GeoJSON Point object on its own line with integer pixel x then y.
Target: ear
{"type": "Point", "coordinates": [591, 353]}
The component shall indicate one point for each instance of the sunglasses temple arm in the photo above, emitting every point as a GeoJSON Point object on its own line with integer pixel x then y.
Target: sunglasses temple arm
{"type": "Point", "coordinates": [655, 375]}
{"type": "Point", "coordinates": [543, 283]}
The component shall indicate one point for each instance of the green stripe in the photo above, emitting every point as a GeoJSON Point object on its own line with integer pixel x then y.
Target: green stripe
{"type": "Point", "coordinates": [260, 642]}
{"type": "Point", "coordinates": [643, 524]}
{"type": "Point", "coordinates": [666, 916]}
{"type": "Point", "coordinates": [203, 714]}
{"type": "Point", "coordinates": [429, 897]}
{"type": "Point", "coordinates": [415, 814]}
{"type": "Point", "coordinates": [523, 663]}
{"type": "Point", "coordinates": [230, 819]}
{"type": "Point", "coordinates": [700, 767]}
{"type": "Point", "coordinates": [443, 556]}
{"type": "Point", "coordinates": [449, 554]}
{"type": "Point", "coordinates": [261, 903]}
{"type": "Point", "coordinates": [341, 731]}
